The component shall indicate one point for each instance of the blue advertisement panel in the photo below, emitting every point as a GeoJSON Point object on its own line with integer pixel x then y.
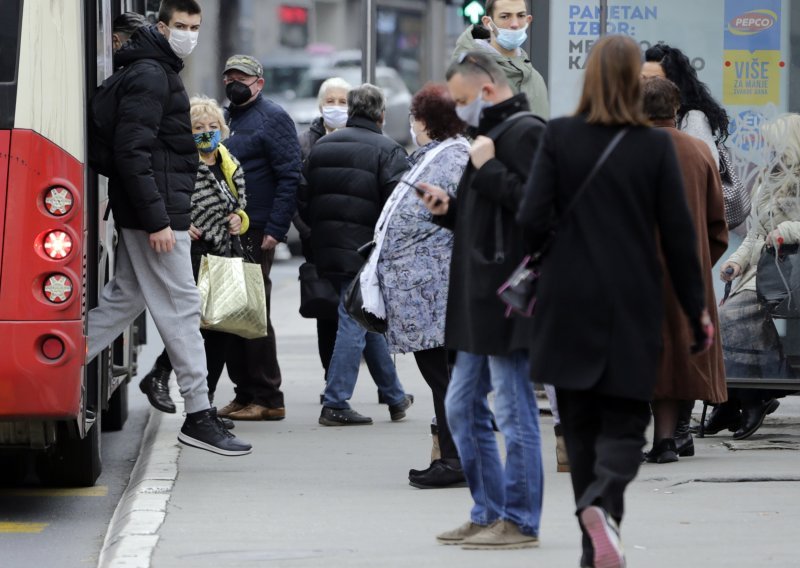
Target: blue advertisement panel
{"type": "Point", "coordinates": [752, 25]}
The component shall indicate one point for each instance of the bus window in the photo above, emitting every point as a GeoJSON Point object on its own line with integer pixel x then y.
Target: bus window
{"type": "Point", "coordinates": [9, 37]}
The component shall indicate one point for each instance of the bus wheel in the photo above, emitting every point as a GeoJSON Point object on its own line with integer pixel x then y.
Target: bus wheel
{"type": "Point", "coordinates": [117, 413]}
{"type": "Point", "coordinates": [72, 461]}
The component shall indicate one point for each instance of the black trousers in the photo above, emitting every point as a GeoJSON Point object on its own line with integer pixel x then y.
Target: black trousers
{"type": "Point", "coordinates": [435, 369]}
{"type": "Point", "coordinates": [604, 436]}
{"type": "Point", "coordinates": [253, 363]}
{"type": "Point", "coordinates": [216, 346]}
{"type": "Point", "coordinates": [326, 339]}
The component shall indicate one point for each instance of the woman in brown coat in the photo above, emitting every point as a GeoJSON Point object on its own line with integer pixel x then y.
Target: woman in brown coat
{"type": "Point", "coordinates": [681, 376]}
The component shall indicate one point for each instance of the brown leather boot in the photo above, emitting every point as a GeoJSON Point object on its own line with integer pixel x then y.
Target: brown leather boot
{"type": "Point", "coordinates": [257, 412]}
{"type": "Point", "coordinates": [232, 406]}
{"type": "Point", "coordinates": [562, 460]}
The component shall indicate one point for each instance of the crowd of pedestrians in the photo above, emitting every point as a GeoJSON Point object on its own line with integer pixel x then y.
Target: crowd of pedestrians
{"type": "Point", "coordinates": [621, 203]}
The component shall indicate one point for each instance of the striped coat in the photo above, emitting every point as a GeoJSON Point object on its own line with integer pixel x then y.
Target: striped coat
{"type": "Point", "coordinates": [212, 202]}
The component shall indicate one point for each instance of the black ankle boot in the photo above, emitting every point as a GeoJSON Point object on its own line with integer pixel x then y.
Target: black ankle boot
{"type": "Point", "coordinates": [663, 451]}
{"type": "Point", "coordinates": [155, 385]}
{"type": "Point", "coordinates": [684, 445]}
{"type": "Point", "coordinates": [725, 416]}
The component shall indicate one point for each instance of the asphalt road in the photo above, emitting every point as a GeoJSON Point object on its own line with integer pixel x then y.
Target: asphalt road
{"type": "Point", "coordinates": [64, 528]}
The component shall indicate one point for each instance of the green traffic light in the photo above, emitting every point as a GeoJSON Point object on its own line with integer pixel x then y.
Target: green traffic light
{"type": "Point", "coordinates": [474, 10]}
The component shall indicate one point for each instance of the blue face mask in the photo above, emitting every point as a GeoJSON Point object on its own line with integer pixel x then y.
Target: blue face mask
{"type": "Point", "coordinates": [510, 39]}
{"type": "Point", "coordinates": [207, 142]}
{"type": "Point", "coordinates": [471, 112]}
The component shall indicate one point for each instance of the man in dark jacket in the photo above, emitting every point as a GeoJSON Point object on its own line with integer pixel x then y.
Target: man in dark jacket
{"type": "Point", "coordinates": [264, 140]}
{"type": "Point", "coordinates": [350, 174]}
{"type": "Point", "coordinates": [491, 348]}
{"type": "Point", "coordinates": [155, 162]}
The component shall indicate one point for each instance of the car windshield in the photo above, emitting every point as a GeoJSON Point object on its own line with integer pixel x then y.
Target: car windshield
{"type": "Point", "coordinates": [282, 79]}
{"type": "Point", "coordinates": [308, 88]}
{"type": "Point", "coordinates": [9, 39]}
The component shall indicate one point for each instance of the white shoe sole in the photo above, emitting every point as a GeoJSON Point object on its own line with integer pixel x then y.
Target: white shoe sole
{"type": "Point", "coordinates": [605, 540]}
{"type": "Point", "coordinates": [189, 441]}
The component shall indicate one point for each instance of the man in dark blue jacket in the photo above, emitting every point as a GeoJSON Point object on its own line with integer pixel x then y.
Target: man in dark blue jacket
{"type": "Point", "coordinates": [264, 139]}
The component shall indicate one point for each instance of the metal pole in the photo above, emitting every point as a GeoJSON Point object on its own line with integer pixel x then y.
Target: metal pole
{"type": "Point", "coordinates": [603, 17]}
{"type": "Point", "coordinates": [369, 49]}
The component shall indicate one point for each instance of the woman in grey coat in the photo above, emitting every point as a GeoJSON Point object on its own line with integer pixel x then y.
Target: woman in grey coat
{"type": "Point", "coordinates": [413, 268]}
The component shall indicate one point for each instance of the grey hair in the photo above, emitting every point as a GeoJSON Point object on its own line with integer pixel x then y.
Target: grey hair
{"type": "Point", "coordinates": [332, 83]}
{"type": "Point", "coordinates": [477, 64]}
{"type": "Point", "coordinates": [367, 101]}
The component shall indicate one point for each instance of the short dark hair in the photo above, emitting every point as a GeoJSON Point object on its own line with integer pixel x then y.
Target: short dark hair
{"type": "Point", "coordinates": [433, 106]}
{"type": "Point", "coordinates": [477, 63]}
{"type": "Point", "coordinates": [489, 7]}
{"type": "Point", "coordinates": [168, 8]}
{"type": "Point", "coordinates": [662, 98]}
{"type": "Point", "coordinates": [127, 23]}
{"type": "Point", "coordinates": [367, 101]}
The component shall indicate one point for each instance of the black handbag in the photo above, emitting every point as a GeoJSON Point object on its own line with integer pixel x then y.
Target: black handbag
{"type": "Point", "coordinates": [518, 292]}
{"type": "Point", "coordinates": [318, 297]}
{"type": "Point", "coordinates": [354, 303]}
{"type": "Point", "coordinates": [734, 194]}
{"type": "Point", "coordinates": [778, 281]}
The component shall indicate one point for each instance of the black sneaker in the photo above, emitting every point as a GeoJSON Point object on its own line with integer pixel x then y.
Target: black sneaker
{"type": "Point", "coordinates": [204, 430]}
{"type": "Point", "coordinates": [398, 411]}
{"type": "Point", "coordinates": [342, 417]}
{"type": "Point", "coordinates": [155, 385]}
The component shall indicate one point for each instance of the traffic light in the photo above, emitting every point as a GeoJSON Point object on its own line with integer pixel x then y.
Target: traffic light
{"type": "Point", "coordinates": [473, 11]}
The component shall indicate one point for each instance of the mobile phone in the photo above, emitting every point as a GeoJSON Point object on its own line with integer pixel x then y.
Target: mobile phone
{"type": "Point", "coordinates": [421, 192]}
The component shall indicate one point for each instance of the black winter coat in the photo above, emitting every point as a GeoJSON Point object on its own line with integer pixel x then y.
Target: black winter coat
{"type": "Point", "coordinates": [301, 222]}
{"type": "Point", "coordinates": [597, 324]}
{"type": "Point", "coordinates": [351, 173]}
{"type": "Point", "coordinates": [154, 152]}
{"type": "Point", "coordinates": [488, 244]}
{"type": "Point", "coordinates": [264, 139]}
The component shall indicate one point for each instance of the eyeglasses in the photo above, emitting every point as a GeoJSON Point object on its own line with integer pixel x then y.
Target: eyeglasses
{"type": "Point", "coordinates": [468, 58]}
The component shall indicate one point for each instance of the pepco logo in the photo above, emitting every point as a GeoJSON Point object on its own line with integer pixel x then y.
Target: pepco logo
{"type": "Point", "coordinates": [752, 22]}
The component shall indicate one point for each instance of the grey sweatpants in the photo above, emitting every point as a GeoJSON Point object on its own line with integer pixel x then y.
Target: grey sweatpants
{"type": "Point", "coordinates": [163, 283]}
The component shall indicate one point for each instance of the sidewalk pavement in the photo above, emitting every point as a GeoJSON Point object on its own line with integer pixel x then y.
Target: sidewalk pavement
{"type": "Point", "coordinates": [313, 496]}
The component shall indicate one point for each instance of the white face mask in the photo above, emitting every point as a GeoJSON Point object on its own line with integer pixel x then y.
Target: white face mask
{"type": "Point", "coordinates": [182, 42]}
{"type": "Point", "coordinates": [471, 112]}
{"type": "Point", "coordinates": [334, 116]}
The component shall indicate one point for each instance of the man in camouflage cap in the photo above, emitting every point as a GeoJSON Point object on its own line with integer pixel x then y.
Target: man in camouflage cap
{"type": "Point", "coordinates": [264, 139]}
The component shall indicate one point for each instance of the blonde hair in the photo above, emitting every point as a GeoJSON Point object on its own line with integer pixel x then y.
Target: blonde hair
{"type": "Point", "coordinates": [206, 107]}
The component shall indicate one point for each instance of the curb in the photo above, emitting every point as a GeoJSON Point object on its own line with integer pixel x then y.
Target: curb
{"type": "Point", "coordinates": [132, 534]}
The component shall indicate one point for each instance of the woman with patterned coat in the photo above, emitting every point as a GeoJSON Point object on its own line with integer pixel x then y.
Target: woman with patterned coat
{"type": "Point", "coordinates": [218, 215]}
{"type": "Point", "coordinates": [414, 264]}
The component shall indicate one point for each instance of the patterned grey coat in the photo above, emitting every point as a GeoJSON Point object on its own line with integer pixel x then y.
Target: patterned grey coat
{"type": "Point", "coordinates": [414, 265]}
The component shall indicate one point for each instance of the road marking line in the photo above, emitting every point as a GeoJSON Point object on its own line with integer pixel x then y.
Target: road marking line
{"type": "Point", "coordinates": [22, 527]}
{"type": "Point", "coordinates": [98, 491]}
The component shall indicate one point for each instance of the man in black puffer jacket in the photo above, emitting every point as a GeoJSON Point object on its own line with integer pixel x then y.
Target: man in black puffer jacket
{"type": "Point", "coordinates": [155, 163]}
{"type": "Point", "coordinates": [351, 173]}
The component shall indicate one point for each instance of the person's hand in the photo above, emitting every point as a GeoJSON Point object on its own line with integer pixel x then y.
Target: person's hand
{"type": "Point", "coordinates": [730, 271]}
{"type": "Point", "coordinates": [774, 239]}
{"type": "Point", "coordinates": [268, 242]}
{"type": "Point", "coordinates": [163, 240]}
{"type": "Point", "coordinates": [234, 224]}
{"type": "Point", "coordinates": [195, 233]}
{"type": "Point", "coordinates": [481, 151]}
{"type": "Point", "coordinates": [703, 331]}
{"type": "Point", "coordinates": [435, 198]}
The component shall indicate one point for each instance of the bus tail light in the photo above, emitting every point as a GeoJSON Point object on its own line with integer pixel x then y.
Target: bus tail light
{"type": "Point", "coordinates": [58, 201]}
{"type": "Point", "coordinates": [52, 347]}
{"type": "Point", "coordinates": [57, 244]}
{"type": "Point", "coordinates": [58, 288]}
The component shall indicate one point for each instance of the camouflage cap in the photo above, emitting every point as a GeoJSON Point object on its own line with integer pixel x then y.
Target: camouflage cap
{"type": "Point", "coordinates": [244, 63]}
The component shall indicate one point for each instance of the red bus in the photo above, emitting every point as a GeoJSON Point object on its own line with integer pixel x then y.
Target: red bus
{"type": "Point", "coordinates": [56, 251]}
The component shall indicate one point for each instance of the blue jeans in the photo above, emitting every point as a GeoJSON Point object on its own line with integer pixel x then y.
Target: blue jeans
{"type": "Point", "coordinates": [351, 341]}
{"type": "Point", "coordinates": [513, 492]}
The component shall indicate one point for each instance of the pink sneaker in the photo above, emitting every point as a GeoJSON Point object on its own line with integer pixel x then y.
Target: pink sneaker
{"type": "Point", "coordinates": [604, 533]}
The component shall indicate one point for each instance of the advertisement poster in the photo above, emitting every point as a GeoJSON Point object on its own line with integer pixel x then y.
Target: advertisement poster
{"type": "Point", "coordinates": [738, 47]}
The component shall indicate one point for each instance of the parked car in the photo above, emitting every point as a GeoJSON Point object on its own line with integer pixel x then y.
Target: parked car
{"type": "Point", "coordinates": [302, 103]}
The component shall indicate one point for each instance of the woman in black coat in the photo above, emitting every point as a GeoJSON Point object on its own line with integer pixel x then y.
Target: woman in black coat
{"type": "Point", "coordinates": [597, 327]}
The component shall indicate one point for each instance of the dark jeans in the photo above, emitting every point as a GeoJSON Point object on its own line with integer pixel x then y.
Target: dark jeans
{"type": "Point", "coordinates": [253, 363]}
{"type": "Point", "coordinates": [604, 436]}
{"type": "Point", "coordinates": [435, 369]}
{"type": "Point", "coordinates": [216, 346]}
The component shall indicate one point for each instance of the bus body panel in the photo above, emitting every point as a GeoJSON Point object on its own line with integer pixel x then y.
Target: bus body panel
{"type": "Point", "coordinates": [36, 164]}
{"type": "Point", "coordinates": [5, 141]}
{"type": "Point", "coordinates": [31, 387]}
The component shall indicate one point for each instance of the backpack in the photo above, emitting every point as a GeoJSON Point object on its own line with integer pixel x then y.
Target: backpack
{"type": "Point", "coordinates": [103, 119]}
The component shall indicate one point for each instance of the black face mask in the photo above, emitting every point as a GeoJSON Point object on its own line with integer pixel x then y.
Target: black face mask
{"type": "Point", "coordinates": [238, 93]}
